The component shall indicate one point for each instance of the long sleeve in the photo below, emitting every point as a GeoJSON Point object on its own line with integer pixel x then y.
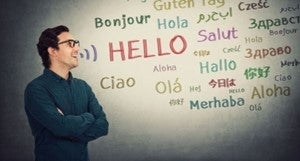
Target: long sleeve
{"type": "Point", "coordinates": [41, 108]}
{"type": "Point", "coordinates": [100, 126]}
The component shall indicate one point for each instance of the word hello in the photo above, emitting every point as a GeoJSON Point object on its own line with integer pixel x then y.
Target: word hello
{"type": "Point", "coordinates": [256, 39]}
{"type": "Point", "coordinates": [217, 35]}
{"type": "Point", "coordinates": [280, 77]}
{"type": "Point", "coordinates": [282, 32]}
{"type": "Point", "coordinates": [275, 91]}
{"type": "Point", "coordinates": [222, 65]}
{"type": "Point", "coordinates": [160, 5]}
{"type": "Point", "coordinates": [293, 63]}
{"type": "Point", "coordinates": [121, 22]}
{"type": "Point", "coordinates": [164, 68]}
{"type": "Point", "coordinates": [253, 6]}
{"type": "Point", "coordinates": [112, 83]}
{"type": "Point", "coordinates": [231, 50]}
{"type": "Point", "coordinates": [217, 3]}
{"type": "Point", "coordinates": [215, 103]}
{"type": "Point", "coordinates": [177, 23]}
{"type": "Point", "coordinates": [201, 53]}
{"type": "Point", "coordinates": [162, 87]}
{"type": "Point", "coordinates": [141, 46]}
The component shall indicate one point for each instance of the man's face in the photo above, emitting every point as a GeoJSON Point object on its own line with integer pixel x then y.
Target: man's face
{"type": "Point", "coordinates": [67, 56]}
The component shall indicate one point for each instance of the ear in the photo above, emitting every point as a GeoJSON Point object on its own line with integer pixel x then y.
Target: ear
{"type": "Point", "coordinates": [52, 51]}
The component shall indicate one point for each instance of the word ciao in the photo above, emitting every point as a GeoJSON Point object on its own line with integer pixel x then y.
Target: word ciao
{"type": "Point", "coordinates": [217, 103]}
{"type": "Point", "coordinates": [121, 22]}
{"type": "Point", "coordinates": [262, 53]}
{"type": "Point", "coordinates": [253, 6]}
{"type": "Point", "coordinates": [160, 5]}
{"type": "Point", "coordinates": [140, 48]}
{"type": "Point", "coordinates": [261, 92]}
{"type": "Point", "coordinates": [116, 83]}
{"type": "Point", "coordinates": [281, 77]}
{"type": "Point", "coordinates": [219, 34]}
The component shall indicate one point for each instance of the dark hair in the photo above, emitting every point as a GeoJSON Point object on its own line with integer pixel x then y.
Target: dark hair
{"type": "Point", "coordinates": [47, 39]}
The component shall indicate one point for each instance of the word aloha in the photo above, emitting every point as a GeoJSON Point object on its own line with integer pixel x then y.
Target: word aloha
{"type": "Point", "coordinates": [261, 92]}
{"type": "Point", "coordinates": [259, 72]}
{"type": "Point", "coordinates": [222, 83]}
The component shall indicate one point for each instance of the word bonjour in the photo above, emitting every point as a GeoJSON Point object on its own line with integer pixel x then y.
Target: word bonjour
{"type": "Point", "coordinates": [282, 32]}
{"type": "Point", "coordinates": [261, 92]}
{"type": "Point", "coordinates": [218, 35]}
{"type": "Point", "coordinates": [121, 22]}
{"type": "Point", "coordinates": [116, 83]}
{"type": "Point", "coordinates": [141, 46]}
{"type": "Point", "coordinates": [217, 103]}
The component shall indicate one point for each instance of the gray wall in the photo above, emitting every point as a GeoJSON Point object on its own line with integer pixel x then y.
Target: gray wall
{"type": "Point", "coordinates": [143, 125]}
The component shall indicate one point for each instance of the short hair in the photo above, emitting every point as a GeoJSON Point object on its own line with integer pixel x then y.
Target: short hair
{"type": "Point", "coordinates": [47, 39]}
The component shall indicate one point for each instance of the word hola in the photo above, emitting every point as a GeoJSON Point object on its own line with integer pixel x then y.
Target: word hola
{"type": "Point", "coordinates": [269, 92]}
{"type": "Point", "coordinates": [160, 5]}
{"type": "Point", "coordinates": [177, 23]}
{"type": "Point", "coordinates": [163, 87]}
{"type": "Point", "coordinates": [256, 39]}
{"type": "Point", "coordinates": [142, 48]}
{"type": "Point", "coordinates": [112, 83]}
{"type": "Point", "coordinates": [223, 64]}
{"type": "Point", "coordinates": [217, 3]}
{"type": "Point", "coordinates": [262, 53]}
{"type": "Point", "coordinates": [215, 103]}
{"type": "Point", "coordinates": [218, 35]}
{"type": "Point", "coordinates": [253, 6]}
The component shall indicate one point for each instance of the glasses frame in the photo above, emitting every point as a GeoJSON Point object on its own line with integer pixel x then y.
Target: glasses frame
{"type": "Point", "coordinates": [70, 42]}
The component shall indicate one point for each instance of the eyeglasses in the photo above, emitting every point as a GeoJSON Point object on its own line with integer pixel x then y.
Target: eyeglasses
{"type": "Point", "coordinates": [70, 42]}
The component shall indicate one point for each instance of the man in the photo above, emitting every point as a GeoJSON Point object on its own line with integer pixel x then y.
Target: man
{"type": "Point", "coordinates": [63, 112]}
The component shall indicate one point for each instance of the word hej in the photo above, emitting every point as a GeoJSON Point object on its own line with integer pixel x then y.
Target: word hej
{"type": "Point", "coordinates": [134, 49]}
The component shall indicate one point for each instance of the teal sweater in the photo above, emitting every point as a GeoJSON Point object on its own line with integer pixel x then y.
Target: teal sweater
{"type": "Point", "coordinates": [63, 137]}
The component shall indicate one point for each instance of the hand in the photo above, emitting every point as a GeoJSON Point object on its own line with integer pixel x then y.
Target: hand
{"type": "Point", "coordinates": [60, 111]}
